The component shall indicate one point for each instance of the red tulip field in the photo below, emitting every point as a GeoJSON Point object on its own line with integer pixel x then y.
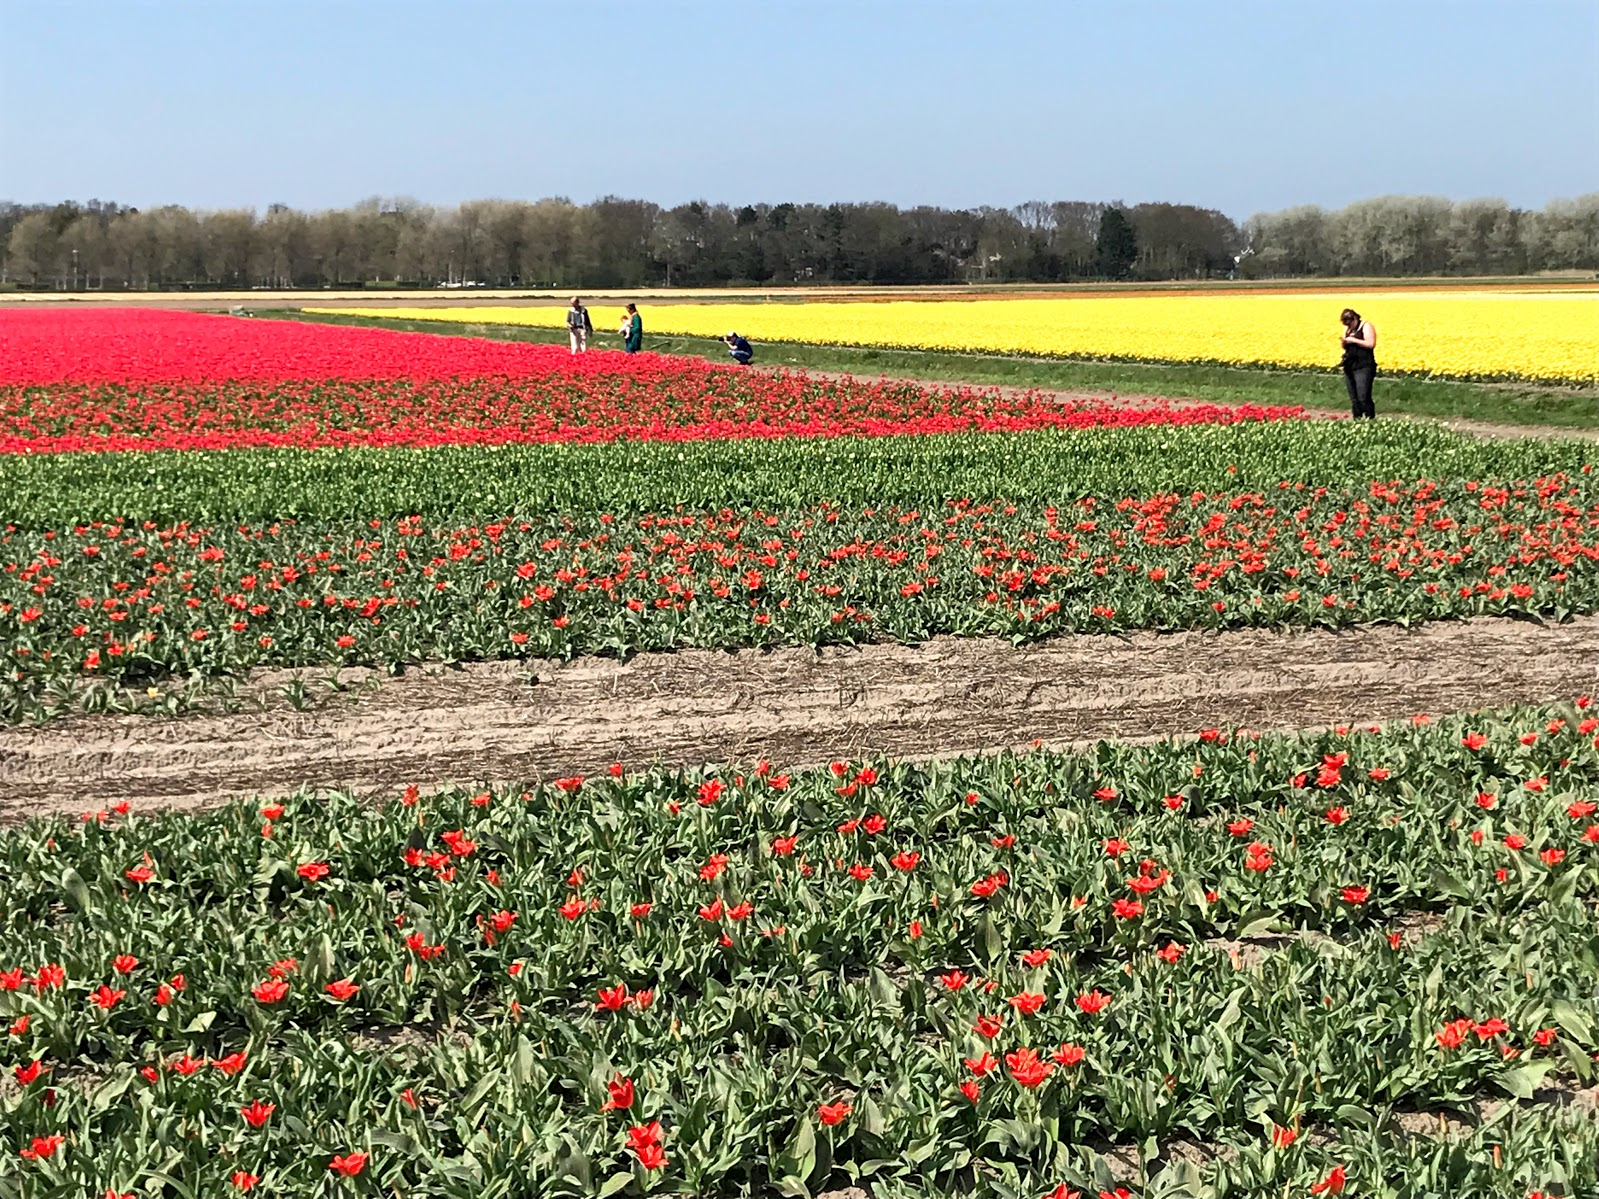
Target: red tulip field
{"type": "Point", "coordinates": [1354, 956]}
{"type": "Point", "coordinates": [143, 380]}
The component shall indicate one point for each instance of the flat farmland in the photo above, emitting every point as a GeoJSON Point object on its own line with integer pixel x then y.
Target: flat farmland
{"type": "Point", "coordinates": [442, 766]}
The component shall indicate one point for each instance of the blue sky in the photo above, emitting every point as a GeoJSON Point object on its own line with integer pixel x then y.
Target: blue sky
{"type": "Point", "coordinates": [1239, 104]}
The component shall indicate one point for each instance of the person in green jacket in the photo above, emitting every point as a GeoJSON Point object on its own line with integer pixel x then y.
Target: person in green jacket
{"type": "Point", "coordinates": [632, 330]}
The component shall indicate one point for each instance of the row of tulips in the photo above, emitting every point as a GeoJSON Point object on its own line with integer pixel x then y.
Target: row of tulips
{"type": "Point", "coordinates": [131, 602]}
{"type": "Point", "coordinates": [1238, 956]}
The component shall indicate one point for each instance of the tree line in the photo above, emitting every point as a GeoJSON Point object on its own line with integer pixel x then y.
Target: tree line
{"type": "Point", "coordinates": [619, 243]}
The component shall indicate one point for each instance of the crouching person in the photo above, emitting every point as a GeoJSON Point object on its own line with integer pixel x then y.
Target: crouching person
{"type": "Point", "coordinates": [742, 352]}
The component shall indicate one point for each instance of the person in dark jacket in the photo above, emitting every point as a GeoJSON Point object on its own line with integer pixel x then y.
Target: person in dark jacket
{"type": "Point", "coordinates": [632, 330]}
{"type": "Point", "coordinates": [1359, 340]}
{"type": "Point", "coordinates": [743, 353]}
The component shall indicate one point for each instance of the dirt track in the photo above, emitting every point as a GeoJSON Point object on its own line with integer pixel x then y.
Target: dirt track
{"type": "Point", "coordinates": [485, 722]}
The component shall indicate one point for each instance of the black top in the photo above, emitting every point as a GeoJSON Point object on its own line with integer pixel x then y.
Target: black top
{"type": "Point", "coordinates": [1358, 357]}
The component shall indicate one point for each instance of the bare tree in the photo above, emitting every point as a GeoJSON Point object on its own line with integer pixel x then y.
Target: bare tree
{"type": "Point", "coordinates": [83, 251]}
{"type": "Point", "coordinates": [31, 250]}
{"type": "Point", "coordinates": [283, 248]}
{"type": "Point", "coordinates": [1565, 235]}
{"type": "Point", "coordinates": [227, 246]}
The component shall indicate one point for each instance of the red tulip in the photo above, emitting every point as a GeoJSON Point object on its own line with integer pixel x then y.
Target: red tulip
{"type": "Point", "coordinates": [954, 980]}
{"type": "Point", "coordinates": [271, 991]}
{"type": "Point", "coordinates": [833, 1113]}
{"type": "Point", "coordinates": [651, 1157]}
{"type": "Point", "coordinates": [620, 1090]}
{"type": "Point", "coordinates": [349, 1165]}
{"type": "Point", "coordinates": [1333, 1184]}
{"type": "Point", "coordinates": [42, 1147]}
{"type": "Point", "coordinates": [1068, 1055]}
{"type": "Point", "coordinates": [1027, 1068]}
{"type": "Point", "coordinates": [230, 1065]}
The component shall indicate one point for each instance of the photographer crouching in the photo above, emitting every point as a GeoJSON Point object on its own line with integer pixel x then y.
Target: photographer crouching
{"type": "Point", "coordinates": [742, 352]}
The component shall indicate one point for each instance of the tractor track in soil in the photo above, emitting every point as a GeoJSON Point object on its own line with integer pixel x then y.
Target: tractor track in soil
{"type": "Point", "coordinates": [486, 723]}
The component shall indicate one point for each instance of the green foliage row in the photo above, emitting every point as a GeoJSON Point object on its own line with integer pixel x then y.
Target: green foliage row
{"type": "Point", "coordinates": [249, 485]}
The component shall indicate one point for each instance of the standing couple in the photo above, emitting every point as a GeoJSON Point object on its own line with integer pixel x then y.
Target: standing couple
{"type": "Point", "coordinates": [579, 327]}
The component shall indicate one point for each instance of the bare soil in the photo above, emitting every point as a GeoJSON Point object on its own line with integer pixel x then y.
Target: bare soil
{"type": "Point", "coordinates": [487, 723]}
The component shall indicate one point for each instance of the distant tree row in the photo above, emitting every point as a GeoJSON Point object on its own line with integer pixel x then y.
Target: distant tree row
{"type": "Point", "coordinates": [614, 243]}
{"type": "Point", "coordinates": [1424, 235]}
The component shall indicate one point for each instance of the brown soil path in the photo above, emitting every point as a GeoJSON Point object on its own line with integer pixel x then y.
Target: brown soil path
{"type": "Point", "coordinates": [796, 707]}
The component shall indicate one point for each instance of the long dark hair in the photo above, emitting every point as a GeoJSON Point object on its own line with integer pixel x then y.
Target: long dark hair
{"type": "Point", "coordinates": [1351, 318]}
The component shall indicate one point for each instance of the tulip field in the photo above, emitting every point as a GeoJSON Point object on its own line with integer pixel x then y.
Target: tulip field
{"type": "Point", "coordinates": [1225, 964]}
{"type": "Point", "coordinates": [963, 978]}
{"type": "Point", "coordinates": [100, 382]}
{"type": "Point", "coordinates": [1509, 334]}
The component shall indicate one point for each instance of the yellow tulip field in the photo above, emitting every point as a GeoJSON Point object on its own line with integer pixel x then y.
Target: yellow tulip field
{"type": "Point", "coordinates": [1534, 335]}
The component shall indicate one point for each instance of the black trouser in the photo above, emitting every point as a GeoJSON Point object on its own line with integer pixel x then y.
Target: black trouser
{"type": "Point", "coordinates": [1358, 380]}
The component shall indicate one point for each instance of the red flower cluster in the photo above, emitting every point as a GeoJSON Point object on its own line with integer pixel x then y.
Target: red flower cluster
{"type": "Point", "coordinates": [138, 380]}
{"type": "Point", "coordinates": [1454, 1034]}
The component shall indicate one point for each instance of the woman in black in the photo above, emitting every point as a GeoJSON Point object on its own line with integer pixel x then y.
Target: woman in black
{"type": "Point", "coordinates": [1359, 340]}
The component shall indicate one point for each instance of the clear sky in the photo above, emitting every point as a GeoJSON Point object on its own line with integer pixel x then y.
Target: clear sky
{"type": "Point", "coordinates": [1242, 105]}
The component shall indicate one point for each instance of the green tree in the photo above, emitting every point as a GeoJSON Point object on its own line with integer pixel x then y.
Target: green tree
{"type": "Point", "coordinates": [1117, 247]}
